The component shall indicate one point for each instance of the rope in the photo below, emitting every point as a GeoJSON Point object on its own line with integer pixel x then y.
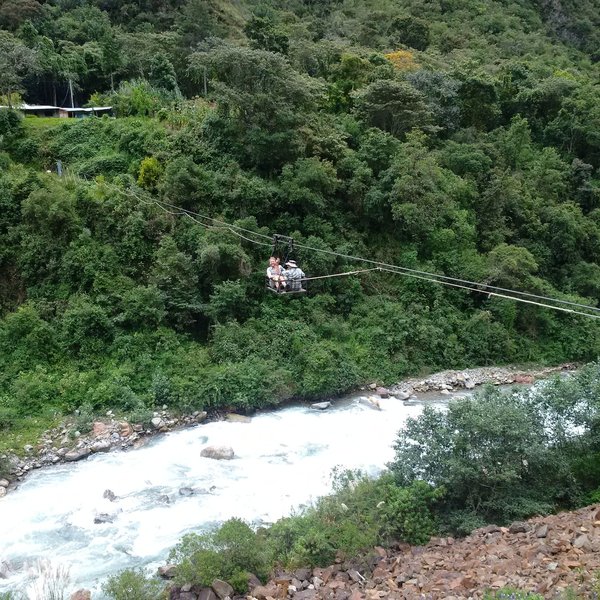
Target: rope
{"type": "Point", "coordinates": [340, 274]}
{"type": "Point", "coordinates": [381, 266]}
{"type": "Point", "coordinates": [457, 285]}
{"type": "Point", "coordinates": [445, 278]}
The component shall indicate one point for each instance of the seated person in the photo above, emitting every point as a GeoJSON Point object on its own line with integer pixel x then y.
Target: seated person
{"type": "Point", "coordinates": [276, 274]}
{"type": "Point", "coordinates": [294, 275]}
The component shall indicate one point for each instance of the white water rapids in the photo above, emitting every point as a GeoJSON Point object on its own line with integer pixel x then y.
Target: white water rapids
{"type": "Point", "coordinates": [283, 459]}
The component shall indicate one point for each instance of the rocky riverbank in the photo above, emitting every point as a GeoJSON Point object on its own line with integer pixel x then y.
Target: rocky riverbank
{"type": "Point", "coordinates": [67, 444]}
{"type": "Point", "coordinates": [557, 556]}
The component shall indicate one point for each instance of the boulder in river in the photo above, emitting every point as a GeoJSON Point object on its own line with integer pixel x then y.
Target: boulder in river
{"type": "Point", "coordinates": [235, 418]}
{"type": "Point", "coordinates": [218, 452]}
{"type": "Point", "coordinates": [321, 405]}
{"type": "Point", "coordinates": [78, 454]}
{"type": "Point", "coordinates": [101, 518]}
{"type": "Point", "coordinates": [109, 495]}
{"type": "Point", "coordinates": [370, 401]}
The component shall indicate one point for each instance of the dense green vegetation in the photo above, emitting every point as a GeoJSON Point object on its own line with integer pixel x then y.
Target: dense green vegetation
{"type": "Point", "coordinates": [454, 137]}
{"type": "Point", "coordinates": [451, 136]}
{"type": "Point", "coordinates": [496, 457]}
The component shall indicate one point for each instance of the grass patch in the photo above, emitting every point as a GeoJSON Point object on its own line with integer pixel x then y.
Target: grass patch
{"type": "Point", "coordinates": [28, 431]}
{"type": "Point", "coordinates": [35, 123]}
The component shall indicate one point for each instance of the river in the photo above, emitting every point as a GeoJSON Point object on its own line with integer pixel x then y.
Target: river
{"type": "Point", "coordinates": [283, 460]}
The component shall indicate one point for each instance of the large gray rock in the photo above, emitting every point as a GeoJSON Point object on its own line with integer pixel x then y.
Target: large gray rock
{"type": "Point", "coordinates": [321, 405]}
{"type": "Point", "coordinates": [261, 592]}
{"type": "Point", "coordinates": [218, 452]}
{"type": "Point", "coordinates": [78, 454]}
{"type": "Point", "coordinates": [519, 527]}
{"type": "Point", "coordinates": [157, 422]}
{"type": "Point", "coordinates": [235, 418]}
{"type": "Point", "coordinates": [5, 570]}
{"type": "Point", "coordinates": [222, 589]}
{"type": "Point", "coordinates": [370, 401]}
{"type": "Point", "coordinates": [101, 446]}
{"type": "Point", "coordinates": [207, 594]}
{"type": "Point", "coordinates": [167, 571]}
{"type": "Point", "coordinates": [81, 595]}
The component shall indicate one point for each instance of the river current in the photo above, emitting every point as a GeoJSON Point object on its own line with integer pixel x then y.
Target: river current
{"type": "Point", "coordinates": [283, 460]}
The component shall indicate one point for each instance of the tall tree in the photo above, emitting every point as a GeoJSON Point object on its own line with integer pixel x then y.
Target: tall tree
{"type": "Point", "coordinates": [16, 61]}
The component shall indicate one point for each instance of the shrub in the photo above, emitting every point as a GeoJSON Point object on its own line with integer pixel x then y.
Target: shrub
{"type": "Point", "coordinates": [327, 370]}
{"type": "Point", "coordinates": [10, 123]}
{"type": "Point", "coordinates": [512, 594]}
{"type": "Point", "coordinates": [227, 553]}
{"type": "Point", "coordinates": [137, 98]}
{"type": "Point", "coordinates": [86, 327]}
{"type": "Point", "coordinates": [361, 513]}
{"type": "Point", "coordinates": [407, 513]}
{"type": "Point", "coordinates": [132, 584]}
{"type": "Point", "coordinates": [110, 164]}
{"type": "Point", "coordinates": [492, 453]}
{"type": "Point", "coordinates": [5, 468]}
{"type": "Point", "coordinates": [84, 418]}
{"type": "Point", "coordinates": [248, 384]}
{"type": "Point", "coordinates": [8, 414]}
{"type": "Point", "coordinates": [149, 174]}
{"type": "Point", "coordinates": [313, 549]}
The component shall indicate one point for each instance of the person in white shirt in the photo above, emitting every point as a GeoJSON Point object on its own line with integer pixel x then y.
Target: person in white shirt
{"type": "Point", "coordinates": [276, 274]}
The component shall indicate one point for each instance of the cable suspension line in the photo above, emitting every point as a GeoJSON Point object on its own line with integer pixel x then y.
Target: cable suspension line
{"type": "Point", "coordinates": [455, 282]}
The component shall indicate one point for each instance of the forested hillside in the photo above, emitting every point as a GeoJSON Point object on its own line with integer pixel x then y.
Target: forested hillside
{"type": "Point", "coordinates": [456, 137]}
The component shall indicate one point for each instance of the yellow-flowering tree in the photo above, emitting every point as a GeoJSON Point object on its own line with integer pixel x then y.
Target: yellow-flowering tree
{"type": "Point", "coordinates": [403, 60]}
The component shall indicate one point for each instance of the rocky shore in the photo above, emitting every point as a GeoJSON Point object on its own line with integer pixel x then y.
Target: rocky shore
{"type": "Point", "coordinates": [557, 557]}
{"type": "Point", "coordinates": [67, 444]}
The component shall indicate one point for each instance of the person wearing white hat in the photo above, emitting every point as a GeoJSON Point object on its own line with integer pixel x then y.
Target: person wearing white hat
{"type": "Point", "coordinates": [294, 275]}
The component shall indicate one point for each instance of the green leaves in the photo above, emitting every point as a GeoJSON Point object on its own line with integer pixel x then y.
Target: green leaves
{"type": "Point", "coordinates": [226, 553]}
{"type": "Point", "coordinates": [394, 106]}
{"type": "Point", "coordinates": [16, 61]}
{"type": "Point", "coordinates": [501, 457]}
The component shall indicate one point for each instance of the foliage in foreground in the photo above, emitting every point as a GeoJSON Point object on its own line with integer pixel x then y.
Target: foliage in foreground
{"type": "Point", "coordinates": [503, 457]}
{"type": "Point", "coordinates": [133, 584]}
